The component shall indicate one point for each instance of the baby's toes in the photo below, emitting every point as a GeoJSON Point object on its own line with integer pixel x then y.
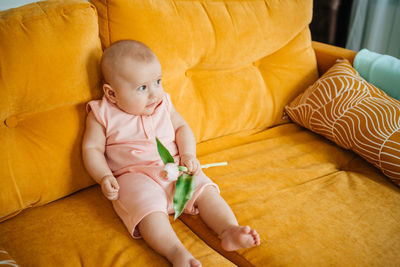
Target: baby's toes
{"type": "Point", "coordinates": [253, 233]}
{"type": "Point", "coordinates": [195, 263]}
{"type": "Point", "coordinates": [255, 236]}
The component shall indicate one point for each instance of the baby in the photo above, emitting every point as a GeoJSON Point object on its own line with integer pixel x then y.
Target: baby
{"type": "Point", "coordinates": [120, 153]}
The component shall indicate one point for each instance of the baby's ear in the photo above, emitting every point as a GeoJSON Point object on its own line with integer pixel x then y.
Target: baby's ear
{"type": "Point", "coordinates": [109, 92]}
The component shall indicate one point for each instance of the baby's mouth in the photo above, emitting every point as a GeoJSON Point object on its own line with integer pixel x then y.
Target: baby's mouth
{"type": "Point", "coordinates": [154, 104]}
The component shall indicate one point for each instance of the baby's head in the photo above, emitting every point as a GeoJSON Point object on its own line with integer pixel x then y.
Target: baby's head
{"type": "Point", "coordinates": [132, 75]}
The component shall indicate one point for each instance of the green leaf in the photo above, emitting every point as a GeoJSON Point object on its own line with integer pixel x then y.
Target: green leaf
{"type": "Point", "coordinates": [164, 153]}
{"type": "Point", "coordinates": [183, 193]}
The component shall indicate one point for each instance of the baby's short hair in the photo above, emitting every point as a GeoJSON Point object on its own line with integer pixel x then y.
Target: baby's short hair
{"type": "Point", "coordinates": [125, 49]}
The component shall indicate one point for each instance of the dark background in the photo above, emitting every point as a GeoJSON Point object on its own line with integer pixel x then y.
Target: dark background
{"type": "Point", "coordinates": [330, 23]}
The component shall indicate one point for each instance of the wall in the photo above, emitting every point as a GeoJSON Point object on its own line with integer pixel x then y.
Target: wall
{"type": "Point", "coordinates": [6, 4]}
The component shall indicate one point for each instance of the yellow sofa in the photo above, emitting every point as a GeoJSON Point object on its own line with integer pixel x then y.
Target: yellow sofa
{"type": "Point", "coordinates": [230, 67]}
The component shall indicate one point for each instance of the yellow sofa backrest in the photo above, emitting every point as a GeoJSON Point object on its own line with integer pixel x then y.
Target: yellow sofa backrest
{"type": "Point", "coordinates": [49, 56]}
{"type": "Point", "coordinates": [229, 66]}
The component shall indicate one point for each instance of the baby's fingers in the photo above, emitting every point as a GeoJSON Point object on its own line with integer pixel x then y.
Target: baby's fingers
{"type": "Point", "coordinates": [196, 167]}
{"type": "Point", "coordinates": [115, 184]}
{"type": "Point", "coordinates": [108, 187]}
{"type": "Point", "coordinates": [189, 165]}
{"type": "Point", "coordinates": [112, 196]}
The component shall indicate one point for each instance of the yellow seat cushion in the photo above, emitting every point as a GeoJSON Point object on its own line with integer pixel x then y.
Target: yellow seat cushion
{"type": "Point", "coordinates": [83, 230]}
{"type": "Point", "coordinates": [50, 53]}
{"type": "Point", "coordinates": [312, 202]}
{"type": "Point", "coordinates": [219, 56]}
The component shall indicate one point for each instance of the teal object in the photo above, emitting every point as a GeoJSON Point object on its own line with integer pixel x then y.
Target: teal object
{"type": "Point", "coordinates": [383, 71]}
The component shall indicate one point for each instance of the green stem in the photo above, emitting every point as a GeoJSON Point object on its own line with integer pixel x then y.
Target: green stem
{"type": "Point", "coordinates": [182, 169]}
{"type": "Point", "coordinates": [205, 166]}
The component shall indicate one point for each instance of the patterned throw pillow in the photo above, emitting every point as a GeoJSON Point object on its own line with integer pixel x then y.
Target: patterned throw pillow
{"type": "Point", "coordinates": [354, 114]}
{"type": "Point", "coordinates": [6, 260]}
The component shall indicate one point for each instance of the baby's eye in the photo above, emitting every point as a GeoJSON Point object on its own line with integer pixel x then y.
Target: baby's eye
{"type": "Point", "coordinates": [158, 82]}
{"type": "Point", "coordinates": [142, 88]}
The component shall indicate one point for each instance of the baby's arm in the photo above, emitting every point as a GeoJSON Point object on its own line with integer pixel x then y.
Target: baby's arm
{"type": "Point", "coordinates": [93, 148]}
{"type": "Point", "coordinates": [186, 142]}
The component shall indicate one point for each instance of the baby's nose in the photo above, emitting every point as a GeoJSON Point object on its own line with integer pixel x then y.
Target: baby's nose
{"type": "Point", "coordinates": [153, 94]}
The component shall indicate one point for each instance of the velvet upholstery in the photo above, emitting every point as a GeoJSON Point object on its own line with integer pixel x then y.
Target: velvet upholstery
{"type": "Point", "coordinates": [236, 62]}
{"type": "Point", "coordinates": [49, 62]}
{"type": "Point", "coordinates": [83, 230]}
{"type": "Point", "coordinates": [230, 67]}
{"type": "Point", "coordinates": [313, 203]}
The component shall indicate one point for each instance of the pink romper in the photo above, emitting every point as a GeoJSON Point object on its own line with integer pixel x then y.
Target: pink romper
{"type": "Point", "coordinates": [131, 154]}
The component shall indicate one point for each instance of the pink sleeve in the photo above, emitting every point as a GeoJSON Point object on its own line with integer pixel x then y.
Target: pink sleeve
{"type": "Point", "coordinates": [99, 112]}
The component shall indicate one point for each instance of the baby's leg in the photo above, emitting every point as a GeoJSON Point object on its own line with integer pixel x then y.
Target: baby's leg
{"type": "Point", "coordinates": [221, 219]}
{"type": "Point", "coordinates": [156, 230]}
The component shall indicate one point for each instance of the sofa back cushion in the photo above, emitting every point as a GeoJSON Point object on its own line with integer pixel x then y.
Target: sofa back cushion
{"type": "Point", "coordinates": [229, 66]}
{"type": "Point", "coordinates": [49, 57]}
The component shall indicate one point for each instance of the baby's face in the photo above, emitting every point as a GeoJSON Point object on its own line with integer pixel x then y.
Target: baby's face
{"type": "Point", "coordinates": [137, 86]}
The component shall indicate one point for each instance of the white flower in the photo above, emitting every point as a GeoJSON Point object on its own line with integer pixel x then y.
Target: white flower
{"type": "Point", "coordinates": [171, 171]}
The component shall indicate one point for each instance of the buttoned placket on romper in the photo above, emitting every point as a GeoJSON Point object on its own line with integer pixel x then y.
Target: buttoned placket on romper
{"type": "Point", "coordinates": [148, 126]}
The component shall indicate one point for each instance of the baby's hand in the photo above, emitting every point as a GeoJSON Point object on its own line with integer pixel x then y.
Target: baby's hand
{"type": "Point", "coordinates": [110, 187]}
{"type": "Point", "coordinates": [191, 163]}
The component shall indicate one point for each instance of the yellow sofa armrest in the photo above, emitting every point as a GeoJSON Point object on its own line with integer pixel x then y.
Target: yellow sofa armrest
{"type": "Point", "coordinates": [327, 54]}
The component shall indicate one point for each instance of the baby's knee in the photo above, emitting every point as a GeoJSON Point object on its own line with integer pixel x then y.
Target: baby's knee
{"type": "Point", "coordinates": [153, 220]}
{"type": "Point", "coordinates": [209, 191]}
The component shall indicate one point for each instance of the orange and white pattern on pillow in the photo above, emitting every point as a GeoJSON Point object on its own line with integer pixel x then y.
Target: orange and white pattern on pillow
{"type": "Point", "coordinates": [354, 114]}
{"type": "Point", "coordinates": [6, 260]}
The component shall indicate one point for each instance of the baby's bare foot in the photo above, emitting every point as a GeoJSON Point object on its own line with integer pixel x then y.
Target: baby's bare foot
{"type": "Point", "coordinates": [183, 258]}
{"type": "Point", "coordinates": [237, 237]}
{"type": "Point", "coordinates": [195, 263]}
